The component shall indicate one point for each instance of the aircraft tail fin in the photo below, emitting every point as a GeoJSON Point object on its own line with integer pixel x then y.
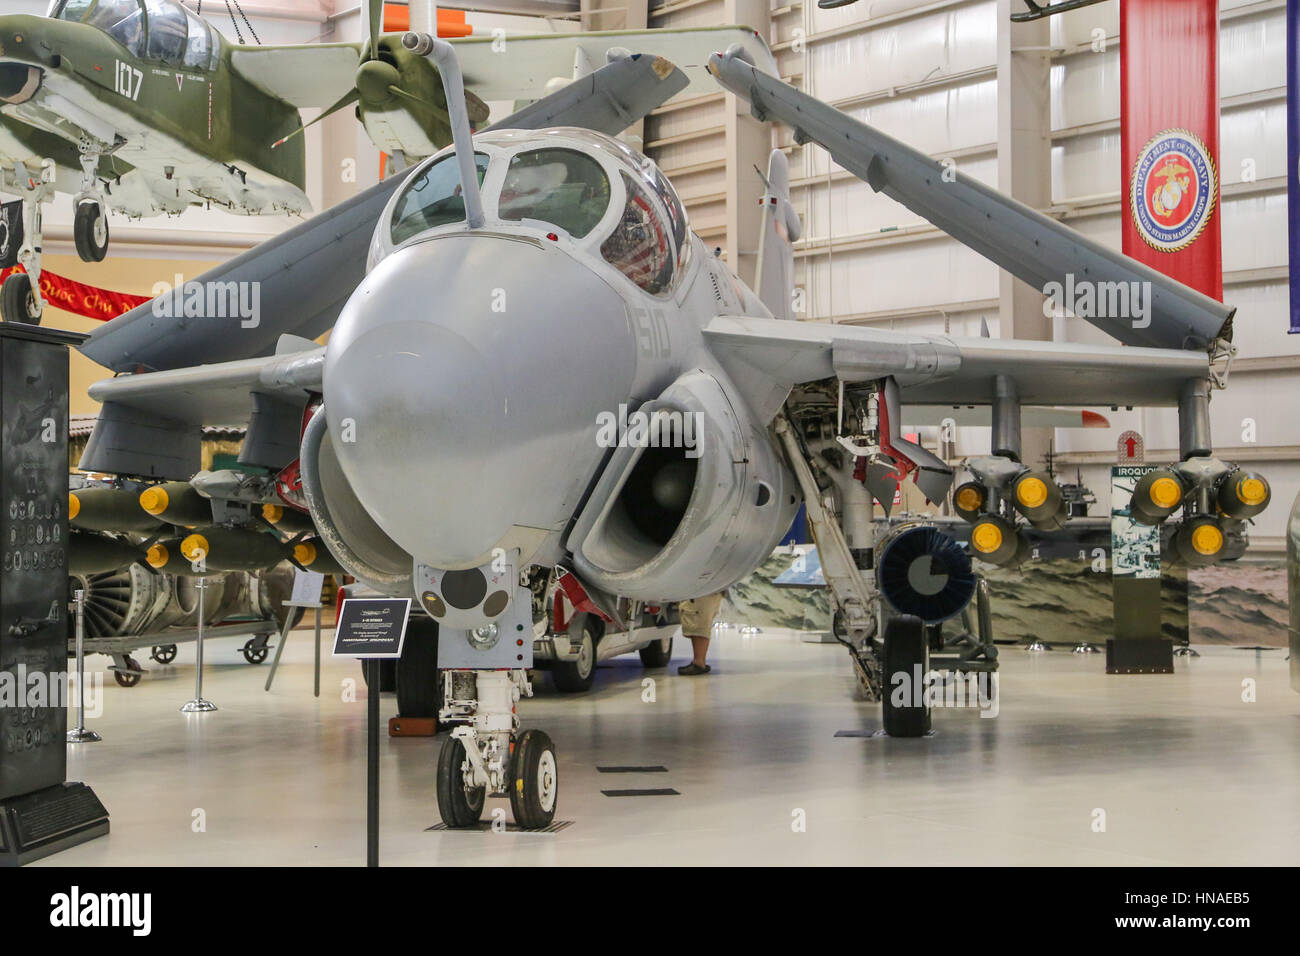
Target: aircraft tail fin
{"type": "Point", "coordinates": [780, 229]}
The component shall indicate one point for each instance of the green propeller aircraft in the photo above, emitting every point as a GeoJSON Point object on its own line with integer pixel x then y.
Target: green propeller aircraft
{"type": "Point", "coordinates": [141, 107]}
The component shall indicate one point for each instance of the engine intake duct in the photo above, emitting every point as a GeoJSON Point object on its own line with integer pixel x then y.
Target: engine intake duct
{"type": "Point", "coordinates": [351, 536]}
{"type": "Point", "coordinates": [690, 509]}
{"type": "Point", "coordinates": [19, 82]}
{"type": "Point", "coordinates": [923, 572]}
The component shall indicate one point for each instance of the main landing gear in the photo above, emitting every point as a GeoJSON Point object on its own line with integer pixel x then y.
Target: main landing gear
{"type": "Point", "coordinates": [20, 296]}
{"type": "Point", "coordinates": [487, 753]}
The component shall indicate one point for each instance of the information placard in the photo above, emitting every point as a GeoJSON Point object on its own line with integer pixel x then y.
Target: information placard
{"type": "Point", "coordinates": [372, 627]}
{"type": "Point", "coordinates": [307, 587]}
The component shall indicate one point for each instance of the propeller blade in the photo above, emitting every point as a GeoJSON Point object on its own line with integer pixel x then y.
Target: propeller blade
{"type": "Point", "coordinates": [374, 26]}
{"type": "Point", "coordinates": [398, 91]}
{"type": "Point", "coordinates": [342, 104]}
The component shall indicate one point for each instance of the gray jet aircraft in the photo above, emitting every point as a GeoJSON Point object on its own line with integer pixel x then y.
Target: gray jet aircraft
{"type": "Point", "coordinates": [544, 367]}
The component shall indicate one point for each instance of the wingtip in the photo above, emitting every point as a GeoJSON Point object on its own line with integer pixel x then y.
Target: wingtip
{"type": "Point", "coordinates": [1095, 420]}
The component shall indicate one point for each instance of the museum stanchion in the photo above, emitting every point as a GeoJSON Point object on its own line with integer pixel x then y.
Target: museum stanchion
{"type": "Point", "coordinates": [198, 705]}
{"type": "Point", "coordinates": [81, 735]}
{"type": "Point", "coordinates": [1293, 592]}
{"type": "Point", "coordinates": [40, 812]}
{"type": "Point", "coordinates": [372, 763]}
{"type": "Point", "coordinates": [284, 638]}
{"type": "Point", "coordinates": [372, 629]}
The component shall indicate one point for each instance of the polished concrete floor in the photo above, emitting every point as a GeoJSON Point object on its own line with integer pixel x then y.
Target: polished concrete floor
{"type": "Point", "coordinates": [1077, 768]}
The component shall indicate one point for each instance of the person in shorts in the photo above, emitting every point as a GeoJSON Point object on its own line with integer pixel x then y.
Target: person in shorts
{"type": "Point", "coordinates": [697, 624]}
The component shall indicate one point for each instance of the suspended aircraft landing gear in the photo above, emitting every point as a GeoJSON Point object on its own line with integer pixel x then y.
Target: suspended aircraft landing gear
{"type": "Point", "coordinates": [90, 232]}
{"type": "Point", "coordinates": [487, 753]}
{"type": "Point", "coordinates": [90, 226]}
{"type": "Point", "coordinates": [20, 296]}
{"type": "Point", "coordinates": [19, 300]}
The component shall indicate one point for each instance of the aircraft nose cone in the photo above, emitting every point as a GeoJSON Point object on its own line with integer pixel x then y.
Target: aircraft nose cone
{"type": "Point", "coordinates": [462, 386]}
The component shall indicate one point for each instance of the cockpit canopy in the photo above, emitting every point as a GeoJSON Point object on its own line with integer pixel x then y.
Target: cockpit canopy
{"type": "Point", "coordinates": [160, 30]}
{"type": "Point", "coordinates": [591, 187]}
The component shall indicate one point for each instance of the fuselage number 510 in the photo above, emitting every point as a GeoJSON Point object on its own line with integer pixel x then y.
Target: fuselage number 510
{"type": "Point", "coordinates": [129, 80]}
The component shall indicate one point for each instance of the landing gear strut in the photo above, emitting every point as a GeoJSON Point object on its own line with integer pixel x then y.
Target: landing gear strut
{"type": "Point", "coordinates": [20, 297]}
{"type": "Point", "coordinates": [90, 227]}
{"type": "Point", "coordinates": [488, 754]}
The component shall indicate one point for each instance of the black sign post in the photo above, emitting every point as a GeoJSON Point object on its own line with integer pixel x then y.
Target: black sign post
{"type": "Point", "coordinates": [40, 811]}
{"type": "Point", "coordinates": [372, 629]}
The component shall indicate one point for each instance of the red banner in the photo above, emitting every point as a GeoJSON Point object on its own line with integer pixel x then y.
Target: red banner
{"type": "Point", "coordinates": [82, 299]}
{"type": "Point", "coordinates": [1169, 138]}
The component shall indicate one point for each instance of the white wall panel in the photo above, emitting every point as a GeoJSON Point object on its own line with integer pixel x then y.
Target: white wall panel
{"type": "Point", "coordinates": [933, 122]}
{"type": "Point", "coordinates": [905, 52]}
{"type": "Point", "coordinates": [1259, 327]}
{"type": "Point", "coordinates": [1085, 88]}
{"type": "Point", "coordinates": [1254, 232]}
{"type": "Point", "coordinates": [890, 277]}
{"type": "Point", "coordinates": [1252, 54]}
{"type": "Point", "coordinates": [1076, 27]}
{"type": "Point", "coordinates": [1256, 133]}
{"type": "Point", "coordinates": [1086, 166]}
{"type": "Point", "coordinates": [854, 208]}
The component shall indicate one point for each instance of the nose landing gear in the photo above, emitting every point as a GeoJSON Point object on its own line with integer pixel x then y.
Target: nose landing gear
{"type": "Point", "coordinates": [488, 754]}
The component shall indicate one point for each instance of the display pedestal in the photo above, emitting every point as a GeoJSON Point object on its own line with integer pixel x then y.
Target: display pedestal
{"type": "Point", "coordinates": [1139, 645]}
{"type": "Point", "coordinates": [40, 813]}
{"type": "Point", "coordinates": [39, 824]}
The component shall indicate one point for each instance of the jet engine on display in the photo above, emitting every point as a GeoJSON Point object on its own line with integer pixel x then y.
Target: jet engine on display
{"type": "Point", "coordinates": [447, 447]}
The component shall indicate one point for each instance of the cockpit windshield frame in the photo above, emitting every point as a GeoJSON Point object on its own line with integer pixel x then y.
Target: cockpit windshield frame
{"type": "Point", "coordinates": [161, 30]}
{"type": "Point", "coordinates": [613, 203]}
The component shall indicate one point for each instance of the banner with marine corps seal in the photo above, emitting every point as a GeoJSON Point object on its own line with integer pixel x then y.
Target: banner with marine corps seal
{"type": "Point", "coordinates": [1169, 139]}
{"type": "Point", "coordinates": [1173, 190]}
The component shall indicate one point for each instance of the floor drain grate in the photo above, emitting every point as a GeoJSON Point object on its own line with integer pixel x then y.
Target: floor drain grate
{"type": "Point", "coordinates": [631, 769]}
{"type": "Point", "coordinates": [655, 792]}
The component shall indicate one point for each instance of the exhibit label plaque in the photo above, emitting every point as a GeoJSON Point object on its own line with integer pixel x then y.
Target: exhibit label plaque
{"type": "Point", "coordinates": [372, 627]}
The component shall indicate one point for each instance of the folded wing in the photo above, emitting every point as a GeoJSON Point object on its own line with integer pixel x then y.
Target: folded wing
{"type": "Point", "coordinates": [1021, 240]}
